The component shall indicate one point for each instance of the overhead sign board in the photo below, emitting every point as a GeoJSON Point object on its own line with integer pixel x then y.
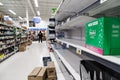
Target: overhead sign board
{"type": "Point", "coordinates": [35, 28]}
{"type": "Point", "coordinates": [36, 19]}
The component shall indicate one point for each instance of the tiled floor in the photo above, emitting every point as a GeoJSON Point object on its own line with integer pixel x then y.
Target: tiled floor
{"type": "Point", "coordinates": [18, 66]}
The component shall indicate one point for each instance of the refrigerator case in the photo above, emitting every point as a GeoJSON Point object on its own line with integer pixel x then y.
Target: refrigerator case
{"type": "Point", "coordinates": [103, 36]}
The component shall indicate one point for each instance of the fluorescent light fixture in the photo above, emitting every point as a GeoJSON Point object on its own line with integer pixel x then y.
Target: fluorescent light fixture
{"type": "Point", "coordinates": [1, 3]}
{"type": "Point", "coordinates": [38, 12]}
{"type": "Point", "coordinates": [20, 17]}
{"type": "Point", "coordinates": [36, 3]}
{"type": "Point", "coordinates": [12, 12]}
{"type": "Point", "coordinates": [102, 1]}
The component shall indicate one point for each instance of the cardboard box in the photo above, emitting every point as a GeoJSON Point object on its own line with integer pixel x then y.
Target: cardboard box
{"type": "Point", "coordinates": [34, 73]}
{"type": "Point", "coordinates": [52, 78]}
{"type": "Point", "coordinates": [1, 17]}
{"type": "Point", "coordinates": [51, 69]}
{"type": "Point", "coordinates": [22, 47]}
{"type": "Point", "coordinates": [29, 42]}
{"type": "Point", "coordinates": [38, 74]}
{"type": "Point", "coordinates": [103, 36]}
{"type": "Point", "coordinates": [42, 74]}
{"type": "Point", "coordinates": [51, 64]}
{"type": "Point", "coordinates": [9, 22]}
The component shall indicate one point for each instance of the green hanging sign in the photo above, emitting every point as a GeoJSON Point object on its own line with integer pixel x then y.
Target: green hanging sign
{"type": "Point", "coordinates": [54, 10]}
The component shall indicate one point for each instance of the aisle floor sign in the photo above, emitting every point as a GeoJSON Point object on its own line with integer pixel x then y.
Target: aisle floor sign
{"type": "Point", "coordinates": [78, 51]}
{"type": "Point", "coordinates": [102, 1]}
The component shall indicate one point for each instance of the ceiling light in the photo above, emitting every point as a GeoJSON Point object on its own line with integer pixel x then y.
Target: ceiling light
{"type": "Point", "coordinates": [38, 12]}
{"type": "Point", "coordinates": [36, 3]}
{"type": "Point", "coordinates": [12, 12]}
{"type": "Point", "coordinates": [20, 17]}
{"type": "Point", "coordinates": [1, 3]}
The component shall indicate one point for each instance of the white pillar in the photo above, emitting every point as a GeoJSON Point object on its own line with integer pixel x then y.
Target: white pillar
{"type": "Point", "coordinates": [27, 16]}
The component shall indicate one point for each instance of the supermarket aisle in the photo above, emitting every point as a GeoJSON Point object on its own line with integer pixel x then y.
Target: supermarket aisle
{"type": "Point", "coordinates": [18, 66]}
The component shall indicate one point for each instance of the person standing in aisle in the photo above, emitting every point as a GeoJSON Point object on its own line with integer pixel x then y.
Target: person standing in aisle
{"type": "Point", "coordinates": [40, 35]}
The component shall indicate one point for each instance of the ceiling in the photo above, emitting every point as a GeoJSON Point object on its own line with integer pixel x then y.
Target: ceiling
{"type": "Point", "coordinates": [19, 7]}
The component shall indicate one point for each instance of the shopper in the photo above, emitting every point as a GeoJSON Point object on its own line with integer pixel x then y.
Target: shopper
{"type": "Point", "coordinates": [40, 35]}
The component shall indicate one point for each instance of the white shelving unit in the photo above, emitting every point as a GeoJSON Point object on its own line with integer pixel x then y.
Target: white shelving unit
{"type": "Point", "coordinates": [74, 73]}
{"type": "Point", "coordinates": [59, 73]}
{"type": "Point", "coordinates": [66, 9]}
{"type": "Point", "coordinates": [79, 21]}
{"type": "Point", "coordinates": [114, 60]}
{"type": "Point", "coordinates": [75, 10]}
{"type": "Point", "coordinates": [104, 6]}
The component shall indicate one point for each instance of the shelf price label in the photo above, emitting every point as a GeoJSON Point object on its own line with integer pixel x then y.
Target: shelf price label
{"type": "Point", "coordinates": [61, 43]}
{"type": "Point", "coordinates": [67, 46]}
{"type": "Point", "coordinates": [78, 51]}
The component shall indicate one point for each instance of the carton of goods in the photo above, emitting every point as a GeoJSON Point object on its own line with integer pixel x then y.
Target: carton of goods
{"type": "Point", "coordinates": [9, 22]}
{"type": "Point", "coordinates": [38, 74]}
{"type": "Point", "coordinates": [51, 71]}
{"type": "Point", "coordinates": [23, 44]}
{"type": "Point", "coordinates": [22, 48]}
{"type": "Point", "coordinates": [103, 36]}
{"type": "Point", "coordinates": [1, 17]}
{"type": "Point", "coordinates": [29, 42]}
{"type": "Point", "coordinates": [42, 74]}
{"type": "Point", "coordinates": [52, 78]}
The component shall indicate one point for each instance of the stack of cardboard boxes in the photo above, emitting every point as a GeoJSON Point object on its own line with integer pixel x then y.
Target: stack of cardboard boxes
{"type": "Point", "coordinates": [22, 47]}
{"type": "Point", "coordinates": [38, 73]}
{"type": "Point", "coordinates": [43, 73]}
{"type": "Point", "coordinates": [29, 42]}
{"type": "Point", "coordinates": [51, 72]}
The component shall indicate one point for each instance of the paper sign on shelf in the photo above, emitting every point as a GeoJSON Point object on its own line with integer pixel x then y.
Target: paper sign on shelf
{"type": "Point", "coordinates": [67, 46]}
{"type": "Point", "coordinates": [78, 51]}
{"type": "Point", "coordinates": [61, 43]}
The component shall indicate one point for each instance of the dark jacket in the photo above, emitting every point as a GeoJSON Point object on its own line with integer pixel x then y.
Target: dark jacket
{"type": "Point", "coordinates": [40, 35]}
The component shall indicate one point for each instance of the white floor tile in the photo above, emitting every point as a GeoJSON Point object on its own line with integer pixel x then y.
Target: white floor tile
{"type": "Point", "coordinates": [18, 66]}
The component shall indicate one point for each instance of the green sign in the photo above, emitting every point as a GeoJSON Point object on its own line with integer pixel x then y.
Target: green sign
{"type": "Point", "coordinates": [54, 10]}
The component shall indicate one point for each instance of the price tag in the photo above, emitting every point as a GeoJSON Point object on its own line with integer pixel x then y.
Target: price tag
{"type": "Point", "coordinates": [61, 43]}
{"type": "Point", "coordinates": [67, 46]}
{"type": "Point", "coordinates": [78, 51]}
